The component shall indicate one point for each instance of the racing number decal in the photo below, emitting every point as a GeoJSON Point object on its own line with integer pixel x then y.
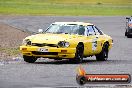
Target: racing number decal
{"type": "Point", "coordinates": [94, 44]}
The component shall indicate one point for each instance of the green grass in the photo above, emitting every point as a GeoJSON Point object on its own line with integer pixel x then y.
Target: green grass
{"type": "Point", "coordinates": [66, 7]}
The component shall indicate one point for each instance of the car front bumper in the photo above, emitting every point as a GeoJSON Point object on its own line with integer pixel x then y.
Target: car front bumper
{"type": "Point", "coordinates": [129, 33]}
{"type": "Point", "coordinates": [48, 52]}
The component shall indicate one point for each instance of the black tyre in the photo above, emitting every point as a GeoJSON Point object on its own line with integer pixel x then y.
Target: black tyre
{"type": "Point", "coordinates": [128, 36]}
{"type": "Point", "coordinates": [103, 55]}
{"type": "Point", "coordinates": [29, 59]}
{"type": "Point", "coordinates": [79, 53]}
{"type": "Point", "coordinates": [125, 33]}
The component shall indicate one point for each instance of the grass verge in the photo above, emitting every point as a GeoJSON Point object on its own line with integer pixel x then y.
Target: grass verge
{"type": "Point", "coordinates": [66, 7]}
{"type": "Point", "coordinates": [10, 51]}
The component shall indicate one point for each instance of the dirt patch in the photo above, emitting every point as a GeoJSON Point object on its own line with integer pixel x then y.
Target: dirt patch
{"type": "Point", "coordinates": [10, 40]}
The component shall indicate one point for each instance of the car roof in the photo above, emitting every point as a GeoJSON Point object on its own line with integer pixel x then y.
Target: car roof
{"type": "Point", "coordinates": [76, 23]}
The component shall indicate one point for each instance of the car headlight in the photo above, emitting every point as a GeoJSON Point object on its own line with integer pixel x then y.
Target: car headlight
{"type": "Point", "coordinates": [26, 42]}
{"type": "Point", "coordinates": [63, 44]}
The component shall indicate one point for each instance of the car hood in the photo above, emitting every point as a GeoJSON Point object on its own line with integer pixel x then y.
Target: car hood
{"type": "Point", "coordinates": [51, 38]}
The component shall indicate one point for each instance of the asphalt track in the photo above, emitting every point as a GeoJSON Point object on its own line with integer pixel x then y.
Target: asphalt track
{"type": "Point", "coordinates": [50, 73]}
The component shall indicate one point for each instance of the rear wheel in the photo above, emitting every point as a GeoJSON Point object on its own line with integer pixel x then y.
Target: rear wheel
{"type": "Point", "coordinates": [103, 55]}
{"type": "Point", "coordinates": [29, 59]}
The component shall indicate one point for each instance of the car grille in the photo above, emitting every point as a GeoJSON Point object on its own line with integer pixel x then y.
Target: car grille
{"type": "Point", "coordinates": [43, 44]}
{"type": "Point", "coordinates": [44, 53]}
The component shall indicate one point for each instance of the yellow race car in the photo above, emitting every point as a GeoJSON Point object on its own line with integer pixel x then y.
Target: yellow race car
{"type": "Point", "coordinates": [67, 40]}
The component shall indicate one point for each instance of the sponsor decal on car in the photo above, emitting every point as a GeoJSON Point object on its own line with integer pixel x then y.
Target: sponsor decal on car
{"type": "Point", "coordinates": [42, 50]}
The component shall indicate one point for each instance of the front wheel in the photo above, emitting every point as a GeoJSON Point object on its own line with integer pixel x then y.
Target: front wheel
{"type": "Point", "coordinates": [79, 54]}
{"type": "Point", "coordinates": [29, 59]}
{"type": "Point", "coordinates": [103, 55]}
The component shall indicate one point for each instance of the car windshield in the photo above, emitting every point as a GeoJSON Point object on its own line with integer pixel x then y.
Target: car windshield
{"type": "Point", "coordinates": [66, 29]}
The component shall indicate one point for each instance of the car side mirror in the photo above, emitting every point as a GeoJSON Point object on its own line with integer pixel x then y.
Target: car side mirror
{"type": "Point", "coordinates": [40, 30]}
{"type": "Point", "coordinates": [127, 18]}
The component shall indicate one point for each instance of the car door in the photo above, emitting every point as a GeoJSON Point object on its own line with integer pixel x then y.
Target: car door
{"type": "Point", "coordinates": [99, 40]}
{"type": "Point", "coordinates": [91, 43]}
